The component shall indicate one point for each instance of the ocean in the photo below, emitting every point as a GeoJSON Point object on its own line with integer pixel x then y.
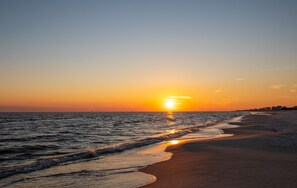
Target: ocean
{"type": "Point", "coordinates": [97, 149]}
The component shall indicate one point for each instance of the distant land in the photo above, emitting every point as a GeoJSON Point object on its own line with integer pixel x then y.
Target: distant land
{"type": "Point", "coordinates": [273, 108]}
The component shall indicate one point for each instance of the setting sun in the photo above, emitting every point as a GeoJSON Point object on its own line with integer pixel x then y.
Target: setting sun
{"type": "Point", "coordinates": [170, 104]}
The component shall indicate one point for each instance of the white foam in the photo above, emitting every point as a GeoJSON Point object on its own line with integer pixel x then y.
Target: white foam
{"type": "Point", "coordinates": [260, 113]}
{"type": "Point", "coordinates": [119, 170]}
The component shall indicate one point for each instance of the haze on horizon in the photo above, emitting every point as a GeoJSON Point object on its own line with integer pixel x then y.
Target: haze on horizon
{"type": "Point", "coordinates": [134, 55]}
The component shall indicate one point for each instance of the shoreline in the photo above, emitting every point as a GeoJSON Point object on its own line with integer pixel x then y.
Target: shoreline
{"type": "Point", "coordinates": [262, 153]}
{"type": "Point", "coordinates": [122, 169]}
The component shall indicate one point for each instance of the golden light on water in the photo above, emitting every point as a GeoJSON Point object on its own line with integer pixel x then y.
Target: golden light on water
{"type": "Point", "coordinates": [174, 142]}
{"type": "Point", "coordinates": [171, 131]}
{"type": "Point", "coordinates": [170, 119]}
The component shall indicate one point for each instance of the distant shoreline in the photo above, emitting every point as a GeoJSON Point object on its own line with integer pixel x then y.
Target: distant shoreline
{"type": "Point", "coordinates": [273, 108]}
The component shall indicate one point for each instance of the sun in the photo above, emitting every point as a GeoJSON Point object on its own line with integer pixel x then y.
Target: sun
{"type": "Point", "coordinates": [170, 104]}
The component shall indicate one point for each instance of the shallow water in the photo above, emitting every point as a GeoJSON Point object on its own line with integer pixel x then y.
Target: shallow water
{"type": "Point", "coordinates": [93, 149]}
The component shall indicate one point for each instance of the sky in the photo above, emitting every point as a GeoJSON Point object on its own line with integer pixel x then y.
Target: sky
{"type": "Point", "coordinates": [136, 55]}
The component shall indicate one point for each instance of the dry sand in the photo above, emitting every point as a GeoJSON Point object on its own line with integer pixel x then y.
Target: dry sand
{"type": "Point", "coordinates": [263, 153]}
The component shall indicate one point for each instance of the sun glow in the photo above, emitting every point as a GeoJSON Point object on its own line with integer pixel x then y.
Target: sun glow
{"type": "Point", "coordinates": [170, 104]}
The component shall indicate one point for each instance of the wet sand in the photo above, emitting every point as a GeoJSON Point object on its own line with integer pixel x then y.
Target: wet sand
{"type": "Point", "coordinates": [262, 153]}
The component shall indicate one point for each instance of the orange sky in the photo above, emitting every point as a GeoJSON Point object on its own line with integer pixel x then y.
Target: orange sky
{"type": "Point", "coordinates": [238, 94]}
{"type": "Point", "coordinates": [132, 55]}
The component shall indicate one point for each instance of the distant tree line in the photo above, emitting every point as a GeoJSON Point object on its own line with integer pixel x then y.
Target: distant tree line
{"type": "Point", "coordinates": [273, 108]}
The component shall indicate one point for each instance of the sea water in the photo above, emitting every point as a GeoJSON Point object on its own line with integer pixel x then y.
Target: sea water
{"type": "Point", "coordinates": [95, 149]}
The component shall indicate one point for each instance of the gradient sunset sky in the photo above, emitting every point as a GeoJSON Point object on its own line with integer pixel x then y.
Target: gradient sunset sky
{"type": "Point", "coordinates": [116, 55]}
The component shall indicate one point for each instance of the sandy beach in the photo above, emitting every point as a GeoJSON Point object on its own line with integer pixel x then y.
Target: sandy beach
{"type": "Point", "coordinates": [262, 153]}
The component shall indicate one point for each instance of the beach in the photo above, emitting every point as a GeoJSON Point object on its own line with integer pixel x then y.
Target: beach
{"type": "Point", "coordinates": [262, 153]}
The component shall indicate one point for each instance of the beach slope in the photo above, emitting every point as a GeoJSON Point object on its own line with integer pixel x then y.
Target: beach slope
{"type": "Point", "coordinates": [262, 153]}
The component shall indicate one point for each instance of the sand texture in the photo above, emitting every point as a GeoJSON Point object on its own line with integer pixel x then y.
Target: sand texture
{"type": "Point", "coordinates": [263, 153]}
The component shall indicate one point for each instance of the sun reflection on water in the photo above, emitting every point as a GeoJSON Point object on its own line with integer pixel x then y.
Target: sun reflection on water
{"type": "Point", "coordinates": [174, 142]}
{"type": "Point", "coordinates": [170, 118]}
{"type": "Point", "coordinates": [171, 131]}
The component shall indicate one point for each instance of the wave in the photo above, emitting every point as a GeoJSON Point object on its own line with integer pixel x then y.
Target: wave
{"type": "Point", "coordinates": [28, 138]}
{"type": "Point", "coordinates": [27, 148]}
{"type": "Point", "coordinates": [94, 153]}
{"type": "Point", "coordinates": [98, 152]}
